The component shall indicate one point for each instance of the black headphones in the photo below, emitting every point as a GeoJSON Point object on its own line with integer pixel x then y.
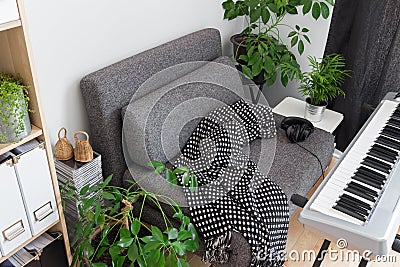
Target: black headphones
{"type": "Point", "coordinates": [297, 129]}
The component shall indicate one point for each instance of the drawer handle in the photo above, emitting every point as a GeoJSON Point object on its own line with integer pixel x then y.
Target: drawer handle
{"type": "Point", "coordinates": [43, 211]}
{"type": "Point", "coordinates": [14, 231]}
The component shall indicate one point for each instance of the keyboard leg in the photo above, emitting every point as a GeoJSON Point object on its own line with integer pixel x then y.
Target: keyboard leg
{"type": "Point", "coordinates": [363, 263]}
{"type": "Point", "coordinates": [321, 253]}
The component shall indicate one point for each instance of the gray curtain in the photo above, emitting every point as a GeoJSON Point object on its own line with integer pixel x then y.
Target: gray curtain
{"type": "Point", "coordinates": [367, 33]}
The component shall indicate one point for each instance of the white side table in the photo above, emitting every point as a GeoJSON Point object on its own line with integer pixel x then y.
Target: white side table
{"type": "Point", "coordinates": [291, 106]}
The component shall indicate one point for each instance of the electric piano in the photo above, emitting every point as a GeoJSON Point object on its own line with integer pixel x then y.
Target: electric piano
{"type": "Point", "coordinates": [359, 199]}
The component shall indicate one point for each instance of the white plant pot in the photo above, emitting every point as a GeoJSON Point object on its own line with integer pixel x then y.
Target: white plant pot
{"type": "Point", "coordinates": [8, 131]}
{"type": "Point", "coordinates": [314, 113]}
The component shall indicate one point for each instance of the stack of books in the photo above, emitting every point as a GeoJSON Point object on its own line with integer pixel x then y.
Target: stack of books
{"type": "Point", "coordinates": [78, 175]}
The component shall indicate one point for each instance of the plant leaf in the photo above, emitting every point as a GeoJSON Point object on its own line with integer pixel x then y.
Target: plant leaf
{"type": "Point", "coordinates": [284, 79]}
{"type": "Point", "coordinates": [245, 58]}
{"type": "Point", "coordinates": [97, 212]}
{"type": "Point", "coordinates": [316, 10]}
{"type": "Point", "coordinates": [84, 189]}
{"type": "Point", "coordinates": [300, 47]}
{"type": "Point", "coordinates": [331, 2]}
{"type": "Point", "coordinates": [246, 71]}
{"type": "Point", "coordinates": [254, 58]}
{"type": "Point", "coordinates": [108, 180]}
{"type": "Point", "coordinates": [324, 10]}
{"type": "Point", "coordinates": [273, 8]}
{"type": "Point", "coordinates": [257, 68]}
{"type": "Point", "coordinates": [307, 39]}
{"type": "Point", "coordinates": [298, 27]}
{"type": "Point", "coordinates": [253, 3]}
{"type": "Point", "coordinates": [184, 234]}
{"type": "Point", "coordinates": [183, 263]}
{"type": "Point", "coordinates": [228, 4]}
{"type": "Point", "coordinates": [307, 6]}
{"type": "Point", "coordinates": [294, 41]}
{"type": "Point", "coordinates": [269, 64]}
{"type": "Point", "coordinates": [123, 232]}
{"type": "Point", "coordinates": [157, 234]}
{"type": "Point", "coordinates": [171, 260]}
{"type": "Point", "coordinates": [133, 252]}
{"type": "Point", "coordinates": [255, 14]}
{"type": "Point", "coordinates": [291, 34]}
{"type": "Point", "coordinates": [193, 183]}
{"type": "Point", "coordinates": [173, 233]}
{"type": "Point", "coordinates": [125, 242]}
{"type": "Point", "coordinates": [99, 264]}
{"type": "Point", "coordinates": [171, 177]}
{"type": "Point", "coordinates": [179, 248]}
{"type": "Point", "coordinates": [114, 251]}
{"type": "Point", "coordinates": [108, 195]}
{"type": "Point", "coordinates": [305, 30]}
{"type": "Point", "coordinates": [135, 226]}
{"type": "Point", "coordinates": [191, 245]}
{"type": "Point", "coordinates": [291, 10]}
{"type": "Point", "coordinates": [265, 15]}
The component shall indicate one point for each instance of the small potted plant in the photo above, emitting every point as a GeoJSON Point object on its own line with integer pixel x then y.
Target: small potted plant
{"type": "Point", "coordinates": [259, 49]}
{"type": "Point", "coordinates": [14, 120]}
{"type": "Point", "coordinates": [112, 233]}
{"type": "Point", "coordinates": [321, 84]}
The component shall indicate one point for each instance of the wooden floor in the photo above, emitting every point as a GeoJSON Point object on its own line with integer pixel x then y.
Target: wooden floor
{"type": "Point", "coordinates": [301, 240]}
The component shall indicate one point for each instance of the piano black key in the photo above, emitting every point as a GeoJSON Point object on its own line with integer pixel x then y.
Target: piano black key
{"type": "Point", "coordinates": [396, 113]}
{"type": "Point", "coordinates": [392, 129]}
{"type": "Point", "coordinates": [386, 150]}
{"type": "Point", "coordinates": [394, 122]}
{"type": "Point", "coordinates": [350, 213]}
{"type": "Point", "coordinates": [371, 173]}
{"type": "Point", "coordinates": [368, 181]}
{"type": "Point", "coordinates": [376, 164]}
{"type": "Point", "coordinates": [390, 134]}
{"type": "Point", "coordinates": [382, 156]}
{"type": "Point", "coordinates": [364, 188]}
{"type": "Point", "coordinates": [356, 201]}
{"type": "Point", "coordinates": [360, 193]}
{"type": "Point", "coordinates": [383, 140]}
{"type": "Point", "coordinates": [351, 206]}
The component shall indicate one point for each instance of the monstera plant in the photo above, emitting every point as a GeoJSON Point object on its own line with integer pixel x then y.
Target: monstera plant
{"type": "Point", "coordinates": [259, 49]}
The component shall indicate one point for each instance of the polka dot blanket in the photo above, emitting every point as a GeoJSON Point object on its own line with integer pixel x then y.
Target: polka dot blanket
{"type": "Point", "coordinates": [232, 194]}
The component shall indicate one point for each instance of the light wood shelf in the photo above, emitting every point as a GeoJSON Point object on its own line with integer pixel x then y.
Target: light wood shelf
{"type": "Point", "coordinates": [16, 58]}
{"type": "Point", "coordinates": [10, 25]}
{"type": "Point", "coordinates": [27, 242]}
{"type": "Point", "coordinates": [36, 132]}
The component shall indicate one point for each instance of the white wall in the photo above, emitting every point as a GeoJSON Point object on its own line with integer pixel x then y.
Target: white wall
{"type": "Point", "coordinates": [318, 34]}
{"type": "Point", "coordinates": [71, 38]}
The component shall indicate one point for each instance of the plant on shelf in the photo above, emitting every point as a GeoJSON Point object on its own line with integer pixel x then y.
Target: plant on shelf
{"type": "Point", "coordinates": [321, 84]}
{"type": "Point", "coordinates": [110, 232]}
{"type": "Point", "coordinates": [14, 120]}
{"type": "Point", "coordinates": [259, 49]}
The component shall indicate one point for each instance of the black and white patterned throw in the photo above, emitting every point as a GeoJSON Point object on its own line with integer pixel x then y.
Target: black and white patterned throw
{"type": "Point", "coordinates": [233, 195]}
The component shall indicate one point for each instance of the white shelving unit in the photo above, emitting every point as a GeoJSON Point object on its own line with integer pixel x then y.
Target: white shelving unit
{"type": "Point", "coordinates": [16, 58]}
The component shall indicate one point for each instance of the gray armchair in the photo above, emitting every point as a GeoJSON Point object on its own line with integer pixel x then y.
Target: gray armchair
{"type": "Point", "coordinates": [108, 91]}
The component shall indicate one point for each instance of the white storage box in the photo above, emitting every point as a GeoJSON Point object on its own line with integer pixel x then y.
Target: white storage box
{"type": "Point", "coordinates": [8, 11]}
{"type": "Point", "coordinates": [37, 189]}
{"type": "Point", "coordinates": [14, 226]}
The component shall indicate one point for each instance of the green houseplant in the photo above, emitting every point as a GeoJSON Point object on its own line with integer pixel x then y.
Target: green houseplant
{"type": "Point", "coordinates": [109, 232]}
{"type": "Point", "coordinates": [321, 84]}
{"type": "Point", "coordinates": [14, 120]}
{"type": "Point", "coordinates": [259, 49]}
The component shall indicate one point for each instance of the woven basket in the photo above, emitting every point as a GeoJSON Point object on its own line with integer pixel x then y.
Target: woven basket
{"type": "Point", "coordinates": [63, 149]}
{"type": "Point", "coordinates": [83, 150]}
